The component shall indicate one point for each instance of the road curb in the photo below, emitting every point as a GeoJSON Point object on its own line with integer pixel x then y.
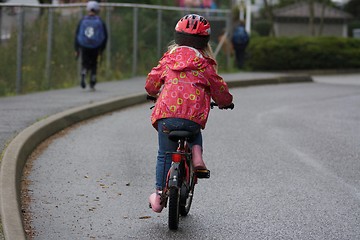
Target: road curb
{"type": "Point", "coordinates": [20, 148]}
{"type": "Point", "coordinates": [275, 80]}
{"type": "Point", "coordinates": [17, 152]}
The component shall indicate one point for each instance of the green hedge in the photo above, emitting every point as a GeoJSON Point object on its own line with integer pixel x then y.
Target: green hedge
{"type": "Point", "coordinates": [303, 53]}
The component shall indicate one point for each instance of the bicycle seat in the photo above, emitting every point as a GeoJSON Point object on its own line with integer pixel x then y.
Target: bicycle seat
{"type": "Point", "coordinates": [180, 134]}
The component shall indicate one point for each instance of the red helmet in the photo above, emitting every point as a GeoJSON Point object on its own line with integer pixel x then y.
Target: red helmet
{"type": "Point", "coordinates": [193, 24]}
{"type": "Point", "coordinates": [192, 30]}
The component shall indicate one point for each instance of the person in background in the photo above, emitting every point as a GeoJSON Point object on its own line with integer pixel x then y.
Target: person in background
{"type": "Point", "coordinates": [192, 3]}
{"type": "Point", "coordinates": [240, 40]}
{"type": "Point", "coordinates": [197, 4]}
{"type": "Point", "coordinates": [206, 3]}
{"type": "Point", "coordinates": [90, 41]}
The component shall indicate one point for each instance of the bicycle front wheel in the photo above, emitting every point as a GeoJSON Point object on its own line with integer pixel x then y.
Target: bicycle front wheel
{"type": "Point", "coordinates": [174, 203]}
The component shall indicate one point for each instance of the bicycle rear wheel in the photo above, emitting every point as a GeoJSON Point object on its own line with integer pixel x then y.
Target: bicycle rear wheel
{"type": "Point", "coordinates": [186, 200]}
{"type": "Point", "coordinates": [174, 204]}
{"type": "Point", "coordinates": [187, 190]}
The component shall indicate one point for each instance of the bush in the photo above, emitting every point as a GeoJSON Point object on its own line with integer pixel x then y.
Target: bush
{"type": "Point", "coordinates": [303, 53]}
{"type": "Point", "coordinates": [353, 25]}
{"type": "Point", "coordinates": [262, 27]}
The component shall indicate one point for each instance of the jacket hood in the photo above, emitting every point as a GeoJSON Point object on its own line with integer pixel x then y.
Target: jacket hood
{"type": "Point", "coordinates": [186, 58]}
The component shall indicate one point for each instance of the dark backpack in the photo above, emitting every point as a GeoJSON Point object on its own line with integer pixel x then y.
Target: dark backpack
{"type": "Point", "coordinates": [240, 36]}
{"type": "Point", "coordinates": [91, 32]}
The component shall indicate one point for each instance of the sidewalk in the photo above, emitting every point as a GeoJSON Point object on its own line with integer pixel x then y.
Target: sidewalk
{"type": "Point", "coordinates": [27, 120]}
{"type": "Point", "coordinates": [19, 112]}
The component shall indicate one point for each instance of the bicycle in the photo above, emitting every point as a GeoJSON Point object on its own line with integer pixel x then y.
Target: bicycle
{"type": "Point", "coordinates": [182, 176]}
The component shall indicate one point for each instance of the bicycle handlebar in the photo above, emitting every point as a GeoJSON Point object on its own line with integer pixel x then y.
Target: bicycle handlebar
{"type": "Point", "coordinates": [212, 104]}
{"type": "Point", "coordinates": [151, 98]}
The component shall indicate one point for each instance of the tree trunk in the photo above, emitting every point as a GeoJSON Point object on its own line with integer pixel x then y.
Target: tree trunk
{"type": "Point", "coordinates": [321, 27]}
{"type": "Point", "coordinates": [0, 24]}
{"type": "Point", "coordinates": [311, 17]}
{"type": "Point", "coordinates": [270, 16]}
{"type": "Point", "coordinates": [42, 10]}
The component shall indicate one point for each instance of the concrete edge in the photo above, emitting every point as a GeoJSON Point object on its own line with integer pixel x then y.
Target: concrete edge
{"type": "Point", "coordinates": [275, 80]}
{"type": "Point", "coordinates": [20, 148]}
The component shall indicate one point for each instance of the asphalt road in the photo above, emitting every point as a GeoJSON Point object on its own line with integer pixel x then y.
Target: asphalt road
{"type": "Point", "coordinates": [284, 165]}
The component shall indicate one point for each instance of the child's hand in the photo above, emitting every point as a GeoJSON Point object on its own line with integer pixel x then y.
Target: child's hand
{"type": "Point", "coordinates": [231, 106]}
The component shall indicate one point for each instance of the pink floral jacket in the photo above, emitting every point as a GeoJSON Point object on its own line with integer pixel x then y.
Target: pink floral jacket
{"type": "Point", "coordinates": [186, 81]}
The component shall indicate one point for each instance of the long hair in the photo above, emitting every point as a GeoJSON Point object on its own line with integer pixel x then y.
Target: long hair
{"type": "Point", "coordinates": [207, 51]}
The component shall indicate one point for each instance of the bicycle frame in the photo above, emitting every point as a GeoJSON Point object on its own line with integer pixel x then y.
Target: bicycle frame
{"type": "Point", "coordinates": [181, 177]}
{"type": "Point", "coordinates": [181, 159]}
{"type": "Point", "coordinates": [180, 181]}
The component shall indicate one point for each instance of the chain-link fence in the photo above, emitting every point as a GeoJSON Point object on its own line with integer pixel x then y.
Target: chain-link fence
{"type": "Point", "coordinates": [37, 42]}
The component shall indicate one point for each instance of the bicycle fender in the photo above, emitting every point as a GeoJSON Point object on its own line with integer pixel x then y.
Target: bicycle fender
{"type": "Point", "coordinates": [174, 173]}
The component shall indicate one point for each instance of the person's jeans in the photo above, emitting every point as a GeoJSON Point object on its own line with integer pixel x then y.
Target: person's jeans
{"type": "Point", "coordinates": [240, 55]}
{"type": "Point", "coordinates": [166, 125]}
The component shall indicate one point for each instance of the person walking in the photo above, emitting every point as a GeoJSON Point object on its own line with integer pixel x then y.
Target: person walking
{"type": "Point", "coordinates": [240, 40]}
{"type": "Point", "coordinates": [184, 82]}
{"type": "Point", "coordinates": [90, 41]}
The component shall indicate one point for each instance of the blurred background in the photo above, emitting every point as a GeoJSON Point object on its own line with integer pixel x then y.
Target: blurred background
{"type": "Point", "coordinates": [37, 37]}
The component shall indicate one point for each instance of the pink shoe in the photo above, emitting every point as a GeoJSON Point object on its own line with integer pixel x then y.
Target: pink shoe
{"type": "Point", "coordinates": [155, 202]}
{"type": "Point", "coordinates": [197, 157]}
{"type": "Point", "coordinates": [198, 162]}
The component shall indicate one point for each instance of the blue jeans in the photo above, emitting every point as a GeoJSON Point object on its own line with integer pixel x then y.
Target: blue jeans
{"type": "Point", "coordinates": [166, 125]}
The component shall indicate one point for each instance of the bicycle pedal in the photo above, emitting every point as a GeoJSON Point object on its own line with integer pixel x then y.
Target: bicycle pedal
{"type": "Point", "coordinates": [202, 173]}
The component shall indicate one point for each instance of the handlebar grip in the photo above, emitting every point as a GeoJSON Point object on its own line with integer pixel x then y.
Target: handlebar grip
{"type": "Point", "coordinates": [231, 106]}
{"type": "Point", "coordinates": [151, 98]}
{"type": "Point", "coordinates": [213, 104]}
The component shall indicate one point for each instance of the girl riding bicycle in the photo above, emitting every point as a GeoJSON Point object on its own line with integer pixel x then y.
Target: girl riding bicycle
{"type": "Point", "coordinates": [184, 82]}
